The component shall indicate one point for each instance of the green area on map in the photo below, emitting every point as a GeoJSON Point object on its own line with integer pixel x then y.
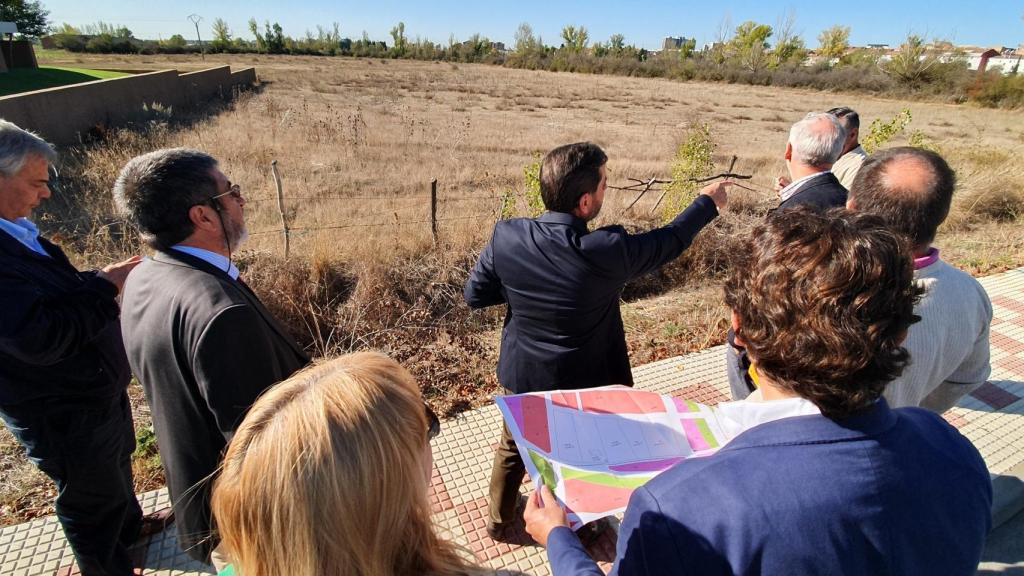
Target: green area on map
{"type": "Point", "coordinates": [629, 482]}
{"type": "Point", "coordinates": [547, 472]}
{"type": "Point", "coordinates": [705, 431]}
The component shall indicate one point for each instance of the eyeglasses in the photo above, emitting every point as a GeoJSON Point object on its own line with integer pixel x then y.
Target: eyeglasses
{"type": "Point", "coordinates": [235, 191]}
{"type": "Point", "coordinates": [433, 423]}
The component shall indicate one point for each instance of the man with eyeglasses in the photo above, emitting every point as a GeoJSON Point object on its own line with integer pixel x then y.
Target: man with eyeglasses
{"type": "Point", "coordinates": [199, 340]}
{"type": "Point", "coordinates": [63, 370]}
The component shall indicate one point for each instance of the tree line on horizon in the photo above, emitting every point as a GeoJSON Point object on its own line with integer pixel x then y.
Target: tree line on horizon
{"type": "Point", "coordinates": [751, 53]}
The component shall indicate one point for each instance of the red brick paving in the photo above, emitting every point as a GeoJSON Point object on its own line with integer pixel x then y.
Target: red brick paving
{"type": "Point", "coordinates": [955, 420]}
{"type": "Point", "coordinates": [1005, 343]}
{"type": "Point", "coordinates": [440, 501]}
{"type": "Point", "coordinates": [473, 519]}
{"type": "Point", "coordinates": [702, 392]}
{"type": "Point", "coordinates": [1012, 364]}
{"type": "Point", "coordinates": [994, 396]}
{"type": "Point", "coordinates": [1009, 303]}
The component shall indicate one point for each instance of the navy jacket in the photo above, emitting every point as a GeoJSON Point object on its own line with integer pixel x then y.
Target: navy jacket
{"type": "Point", "coordinates": [562, 286]}
{"type": "Point", "coordinates": [883, 492]}
{"type": "Point", "coordinates": [59, 330]}
{"type": "Point", "coordinates": [821, 192]}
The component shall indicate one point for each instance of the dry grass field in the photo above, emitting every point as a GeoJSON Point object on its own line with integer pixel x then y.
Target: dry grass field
{"type": "Point", "coordinates": [358, 142]}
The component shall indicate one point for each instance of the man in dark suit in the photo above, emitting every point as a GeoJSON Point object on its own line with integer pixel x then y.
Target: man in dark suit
{"type": "Point", "coordinates": [822, 477]}
{"type": "Point", "coordinates": [815, 143]}
{"type": "Point", "coordinates": [63, 371]}
{"type": "Point", "coordinates": [561, 284]}
{"type": "Point", "coordinates": [199, 340]}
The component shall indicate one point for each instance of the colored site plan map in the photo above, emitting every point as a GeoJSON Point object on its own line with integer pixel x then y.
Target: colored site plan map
{"type": "Point", "coordinates": [593, 447]}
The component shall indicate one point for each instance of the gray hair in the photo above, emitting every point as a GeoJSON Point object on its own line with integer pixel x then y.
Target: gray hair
{"type": "Point", "coordinates": [155, 192]}
{"type": "Point", "coordinates": [817, 140]}
{"type": "Point", "coordinates": [17, 145]}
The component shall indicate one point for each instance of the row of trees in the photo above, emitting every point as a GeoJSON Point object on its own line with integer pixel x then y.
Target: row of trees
{"type": "Point", "coordinates": [752, 52]}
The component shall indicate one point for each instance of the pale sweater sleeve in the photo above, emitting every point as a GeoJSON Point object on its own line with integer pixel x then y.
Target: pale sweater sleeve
{"type": "Point", "coordinates": [949, 348]}
{"type": "Point", "coordinates": [970, 374]}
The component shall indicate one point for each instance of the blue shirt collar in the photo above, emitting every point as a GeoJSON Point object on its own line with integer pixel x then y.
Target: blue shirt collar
{"type": "Point", "coordinates": [218, 261]}
{"type": "Point", "coordinates": [24, 231]}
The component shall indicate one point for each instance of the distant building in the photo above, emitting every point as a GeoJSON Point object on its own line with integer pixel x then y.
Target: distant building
{"type": "Point", "coordinates": [675, 42]}
{"type": "Point", "coordinates": [15, 53]}
{"type": "Point", "coordinates": [997, 59]}
{"type": "Point", "coordinates": [672, 43]}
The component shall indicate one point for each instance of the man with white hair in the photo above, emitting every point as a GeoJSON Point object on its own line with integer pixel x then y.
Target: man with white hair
{"type": "Point", "coordinates": [815, 143]}
{"type": "Point", "coordinates": [63, 371]}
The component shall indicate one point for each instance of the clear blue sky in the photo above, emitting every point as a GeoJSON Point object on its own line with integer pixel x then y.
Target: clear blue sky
{"type": "Point", "coordinates": [996, 22]}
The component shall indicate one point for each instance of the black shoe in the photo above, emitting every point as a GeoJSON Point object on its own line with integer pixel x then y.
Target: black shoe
{"type": "Point", "coordinates": [590, 532]}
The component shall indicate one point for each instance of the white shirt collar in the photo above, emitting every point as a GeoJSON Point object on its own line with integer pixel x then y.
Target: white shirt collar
{"type": "Point", "coordinates": [794, 187]}
{"type": "Point", "coordinates": [218, 261]}
{"type": "Point", "coordinates": [738, 417]}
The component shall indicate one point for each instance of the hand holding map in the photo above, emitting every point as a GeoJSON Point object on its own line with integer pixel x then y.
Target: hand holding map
{"type": "Point", "coordinates": [593, 447]}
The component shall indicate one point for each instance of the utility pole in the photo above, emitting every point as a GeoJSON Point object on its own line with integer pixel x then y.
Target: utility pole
{"type": "Point", "coordinates": [196, 19]}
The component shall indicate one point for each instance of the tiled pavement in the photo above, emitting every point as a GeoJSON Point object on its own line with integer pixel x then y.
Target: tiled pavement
{"type": "Point", "coordinates": [992, 417]}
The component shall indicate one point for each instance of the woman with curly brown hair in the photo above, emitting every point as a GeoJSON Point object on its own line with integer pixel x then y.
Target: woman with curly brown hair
{"type": "Point", "coordinates": [328, 475]}
{"type": "Point", "coordinates": [822, 476]}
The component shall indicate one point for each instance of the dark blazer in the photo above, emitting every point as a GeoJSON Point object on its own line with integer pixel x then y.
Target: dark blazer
{"type": "Point", "coordinates": [884, 492]}
{"type": "Point", "coordinates": [204, 348]}
{"type": "Point", "coordinates": [59, 330]}
{"type": "Point", "coordinates": [562, 285]}
{"type": "Point", "coordinates": [821, 192]}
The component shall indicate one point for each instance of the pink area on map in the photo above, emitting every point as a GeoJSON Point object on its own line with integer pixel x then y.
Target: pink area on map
{"type": "Point", "coordinates": [535, 422]}
{"type": "Point", "coordinates": [583, 496]}
{"type": "Point", "coordinates": [693, 435]}
{"type": "Point", "coordinates": [649, 466]}
{"type": "Point", "coordinates": [515, 406]}
{"type": "Point", "coordinates": [681, 405]}
{"type": "Point", "coordinates": [565, 400]}
{"type": "Point", "coordinates": [622, 402]}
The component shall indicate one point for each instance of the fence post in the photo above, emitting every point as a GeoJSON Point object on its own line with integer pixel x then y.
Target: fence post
{"type": "Point", "coordinates": [280, 206]}
{"type": "Point", "coordinates": [433, 210]}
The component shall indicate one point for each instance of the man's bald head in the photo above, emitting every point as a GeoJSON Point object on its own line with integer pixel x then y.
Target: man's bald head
{"type": "Point", "coordinates": [911, 188]}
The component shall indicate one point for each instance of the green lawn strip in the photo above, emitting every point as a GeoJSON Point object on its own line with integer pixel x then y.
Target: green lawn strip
{"type": "Point", "coordinates": [28, 79]}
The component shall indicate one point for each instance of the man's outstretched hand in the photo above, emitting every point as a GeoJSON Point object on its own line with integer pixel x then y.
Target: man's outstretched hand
{"type": "Point", "coordinates": [717, 192]}
{"type": "Point", "coordinates": [117, 273]}
{"type": "Point", "coordinates": [543, 514]}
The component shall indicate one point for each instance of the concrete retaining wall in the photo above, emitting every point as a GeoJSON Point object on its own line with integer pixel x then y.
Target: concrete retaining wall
{"type": "Point", "coordinates": [205, 85]}
{"type": "Point", "coordinates": [67, 114]}
{"type": "Point", "coordinates": [244, 78]}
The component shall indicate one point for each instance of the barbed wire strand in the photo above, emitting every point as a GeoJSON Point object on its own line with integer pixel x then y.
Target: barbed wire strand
{"type": "Point", "coordinates": [343, 226]}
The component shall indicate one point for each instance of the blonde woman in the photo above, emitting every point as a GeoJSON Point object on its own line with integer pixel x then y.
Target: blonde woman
{"type": "Point", "coordinates": [328, 475]}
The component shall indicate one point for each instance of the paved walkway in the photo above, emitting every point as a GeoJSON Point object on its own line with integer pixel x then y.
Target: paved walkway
{"type": "Point", "coordinates": [992, 417]}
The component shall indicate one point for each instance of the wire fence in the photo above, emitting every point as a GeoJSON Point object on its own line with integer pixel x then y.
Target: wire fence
{"type": "Point", "coordinates": [342, 226]}
{"type": "Point", "coordinates": [399, 214]}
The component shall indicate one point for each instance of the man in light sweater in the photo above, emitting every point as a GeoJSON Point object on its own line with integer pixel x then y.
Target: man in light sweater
{"type": "Point", "coordinates": [853, 154]}
{"type": "Point", "coordinates": [912, 189]}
